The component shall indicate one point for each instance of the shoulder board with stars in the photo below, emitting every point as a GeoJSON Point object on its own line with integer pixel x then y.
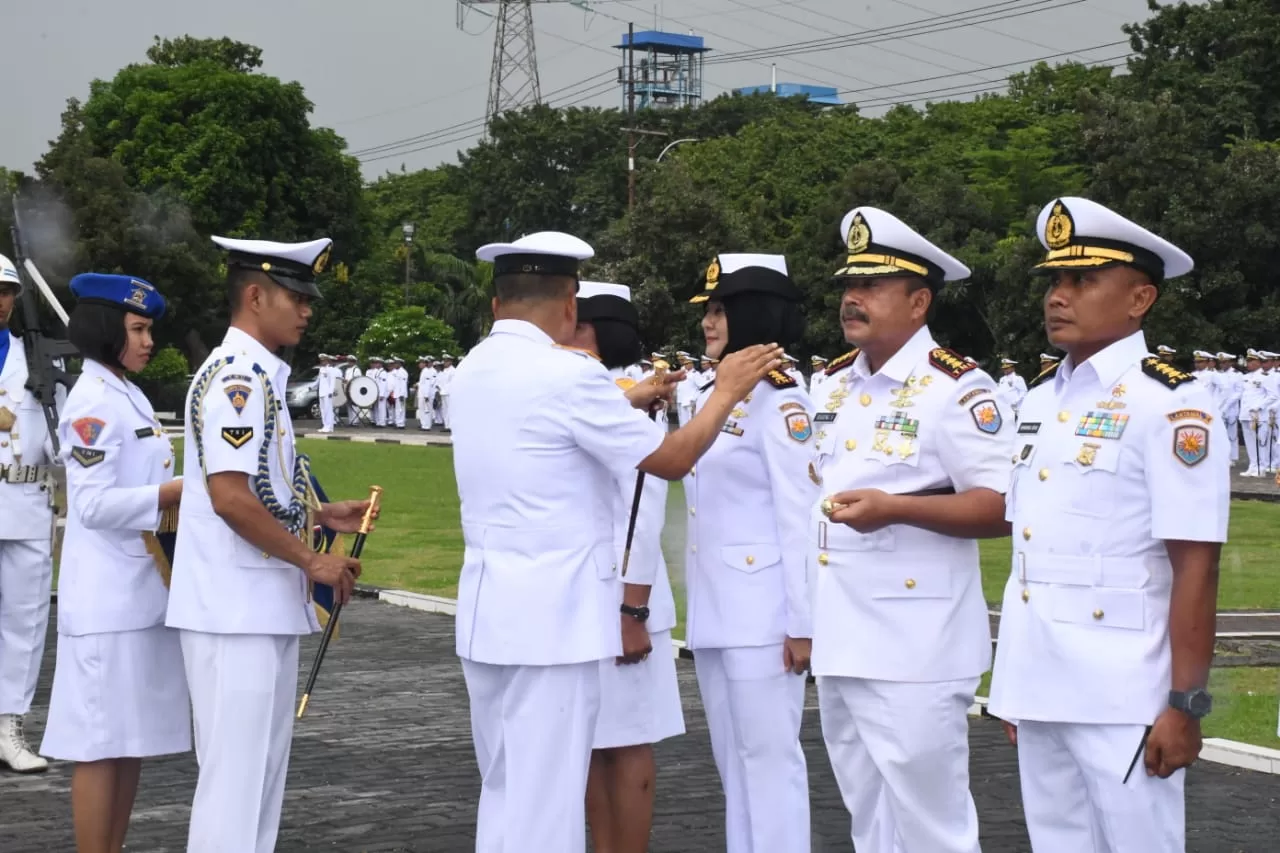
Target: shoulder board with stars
{"type": "Point", "coordinates": [778, 379]}
{"type": "Point", "coordinates": [1167, 375]}
{"type": "Point", "coordinates": [1044, 374]}
{"type": "Point", "coordinates": [841, 363]}
{"type": "Point", "coordinates": [950, 362]}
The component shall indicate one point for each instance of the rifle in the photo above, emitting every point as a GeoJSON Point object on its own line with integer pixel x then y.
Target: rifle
{"type": "Point", "coordinates": [43, 352]}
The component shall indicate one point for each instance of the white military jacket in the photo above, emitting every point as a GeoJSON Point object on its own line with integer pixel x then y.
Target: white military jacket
{"type": "Point", "coordinates": [26, 510]}
{"type": "Point", "coordinates": [221, 583]}
{"type": "Point", "coordinates": [647, 565]}
{"type": "Point", "coordinates": [116, 456]}
{"type": "Point", "coordinates": [903, 603]}
{"type": "Point", "coordinates": [748, 498]}
{"type": "Point", "coordinates": [1113, 457]}
{"type": "Point", "coordinates": [1012, 389]}
{"type": "Point", "coordinates": [542, 439]}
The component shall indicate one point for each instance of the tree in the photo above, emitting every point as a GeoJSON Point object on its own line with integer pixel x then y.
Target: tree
{"type": "Point", "coordinates": [406, 333]}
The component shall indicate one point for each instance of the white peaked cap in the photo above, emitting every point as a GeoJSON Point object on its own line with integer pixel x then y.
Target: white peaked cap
{"type": "Point", "coordinates": [1007, 362]}
{"type": "Point", "coordinates": [1044, 356]}
{"type": "Point", "coordinates": [1253, 353]}
{"type": "Point", "coordinates": [304, 254]}
{"type": "Point", "coordinates": [1082, 234]}
{"type": "Point", "coordinates": [733, 262]}
{"type": "Point", "coordinates": [1225, 356]}
{"type": "Point", "coordinates": [588, 289]}
{"type": "Point", "coordinates": [1202, 354]}
{"type": "Point", "coordinates": [553, 243]}
{"type": "Point", "coordinates": [1165, 350]}
{"type": "Point", "coordinates": [881, 244]}
{"type": "Point", "coordinates": [9, 273]}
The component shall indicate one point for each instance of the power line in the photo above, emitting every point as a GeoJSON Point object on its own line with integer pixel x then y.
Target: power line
{"type": "Point", "coordinates": [871, 103]}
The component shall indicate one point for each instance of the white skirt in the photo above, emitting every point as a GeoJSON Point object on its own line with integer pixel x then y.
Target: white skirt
{"type": "Point", "coordinates": [640, 703]}
{"type": "Point", "coordinates": [118, 695]}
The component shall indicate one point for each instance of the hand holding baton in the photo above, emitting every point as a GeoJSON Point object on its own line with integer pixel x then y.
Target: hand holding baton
{"type": "Point", "coordinates": [659, 370]}
{"type": "Point", "coordinates": [366, 523]}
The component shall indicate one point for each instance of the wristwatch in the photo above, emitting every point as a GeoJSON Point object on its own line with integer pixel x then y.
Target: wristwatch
{"type": "Point", "coordinates": [640, 614]}
{"type": "Point", "coordinates": [1196, 703]}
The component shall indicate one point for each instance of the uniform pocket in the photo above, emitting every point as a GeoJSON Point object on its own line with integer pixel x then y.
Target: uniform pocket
{"type": "Point", "coordinates": [750, 559]}
{"type": "Point", "coordinates": [1105, 608]}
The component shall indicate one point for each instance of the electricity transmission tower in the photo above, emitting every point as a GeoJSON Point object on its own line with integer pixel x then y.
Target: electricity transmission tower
{"type": "Point", "coordinates": [513, 79]}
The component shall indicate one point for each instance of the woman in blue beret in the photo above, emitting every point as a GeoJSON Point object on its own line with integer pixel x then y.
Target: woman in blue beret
{"type": "Point", "coordinates": [119, 690]}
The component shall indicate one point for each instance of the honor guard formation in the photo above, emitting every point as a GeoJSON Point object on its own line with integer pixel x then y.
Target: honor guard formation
{"type": "Point", "coordinates": [833, 527]}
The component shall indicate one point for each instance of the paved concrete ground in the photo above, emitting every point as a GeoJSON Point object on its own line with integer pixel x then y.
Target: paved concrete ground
{"type": "Point", "coordinates": [383, 762]}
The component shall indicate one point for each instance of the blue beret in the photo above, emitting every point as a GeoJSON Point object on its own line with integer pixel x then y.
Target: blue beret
{"type": "Point", "coordinates": [122, 291]}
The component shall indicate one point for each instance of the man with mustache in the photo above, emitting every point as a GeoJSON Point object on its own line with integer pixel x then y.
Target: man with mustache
{"type": "Point", "coordinates": [913, 450]}
{"type": "Point", "coordinates": [26, 536]}
{"type": "Point", "coordinates": [1107, 626]}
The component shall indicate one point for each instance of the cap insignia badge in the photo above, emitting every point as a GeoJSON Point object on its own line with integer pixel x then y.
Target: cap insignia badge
{"type": "Point", "coordinates": [1059, 230]}
{"type": "Point", "coordinates": [859, 235]}
{"type": "Point", "coordinates": [713, 274]}
{"type": "Point", "coordinates": [322, 261]}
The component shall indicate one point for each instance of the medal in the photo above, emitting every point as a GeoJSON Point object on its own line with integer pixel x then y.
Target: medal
{"type": "Point", "coordinates": [7, 419]}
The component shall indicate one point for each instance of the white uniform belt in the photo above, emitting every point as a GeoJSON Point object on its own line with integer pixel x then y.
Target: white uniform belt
{"type": "Point", "coordinates": [1033, 567]}
{"type": "Point", "coordinates": [23, 473]}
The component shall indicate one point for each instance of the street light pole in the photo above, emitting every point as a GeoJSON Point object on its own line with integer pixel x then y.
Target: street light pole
{"type": "Point", "coordinates": [673, 145]}
{"type": "Point", "coordinates": [408, 230]}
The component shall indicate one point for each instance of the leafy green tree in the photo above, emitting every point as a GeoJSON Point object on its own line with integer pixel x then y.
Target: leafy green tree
{"type": "Point", "coordinates": [406, 333]}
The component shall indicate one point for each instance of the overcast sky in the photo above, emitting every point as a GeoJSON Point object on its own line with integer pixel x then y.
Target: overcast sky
{"type": "Point", "coordinates": [383, 71]}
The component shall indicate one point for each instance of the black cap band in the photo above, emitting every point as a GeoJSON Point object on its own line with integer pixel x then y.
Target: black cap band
{"type": "Point", "coordinates": [527, 264]}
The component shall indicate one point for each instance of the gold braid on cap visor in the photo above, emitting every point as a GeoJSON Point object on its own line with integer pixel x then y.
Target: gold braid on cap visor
{"type": "Point", "coordinates": [881, 265]}
{"type": "Point", "coordinates": [1084, 256]}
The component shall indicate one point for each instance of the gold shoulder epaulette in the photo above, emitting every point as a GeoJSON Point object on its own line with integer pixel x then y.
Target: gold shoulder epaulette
{"type": "Point", "coordinates": [950, 362]}
{"type": "Point", "coordinates": [1166, 374]}
{"type": "Point", "coordinates": [841, 363]}
{"type": "Point", "coordinates": [1044, 374]}
{"type": "Point", "coordinates": [778, 379]}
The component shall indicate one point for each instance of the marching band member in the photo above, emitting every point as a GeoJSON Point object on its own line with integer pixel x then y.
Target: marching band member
{"type": "Point", "coordinates": [543, 437]}
{"type": "Point", "coordinates": [639, 700]}
{"type": "Point", "coordinates": [119, 690]}
{"type": "Point", "coordinates": [243, 561]}
{"type": "Point", "coordinates": [915, 458]}
{"type": "Point", "coordinates": [26, 536]}
{"type": "Point", "coordinates": [748, 600]}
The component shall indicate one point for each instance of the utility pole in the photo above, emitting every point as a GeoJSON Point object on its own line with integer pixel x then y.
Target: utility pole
{"type": "Point", "coordinates": [408, 229]}
{"type": "Point", "coordinates": [631, 116]}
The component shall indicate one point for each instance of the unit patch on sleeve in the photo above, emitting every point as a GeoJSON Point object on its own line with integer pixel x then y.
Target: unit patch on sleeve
{"type": "Point", "coordinates": [238, 395]}
{"type": "Point", "coordinates": [88, 429]}
{"type": "Point", "coordinates": [799, 427]}
{"type": "Point", "coordinates": [950, 362]}
{"type": "Point", "coordinates": [1190, 415]}
{"type": "Point", "coordinates": [986, 415]}
{"type": "Point", "coordinates": [237, 437]}
{"type": "Point", "coordinates": [976, 392]}
{"type": "Point", "coordinates": [88, 457]}
{"type": "Point", "coordinates": [1191, 445]}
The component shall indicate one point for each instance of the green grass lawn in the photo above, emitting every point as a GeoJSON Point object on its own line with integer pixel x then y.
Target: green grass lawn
{"type": "Point", "coordinates": [418, 547]}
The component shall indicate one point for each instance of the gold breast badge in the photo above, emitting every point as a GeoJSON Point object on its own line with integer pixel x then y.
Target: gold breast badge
{"type": "Point", "coordinates": [7, 419]}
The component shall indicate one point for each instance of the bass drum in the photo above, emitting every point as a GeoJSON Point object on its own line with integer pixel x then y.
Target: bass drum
{"type": "Point", "coordinates": [363, 392]}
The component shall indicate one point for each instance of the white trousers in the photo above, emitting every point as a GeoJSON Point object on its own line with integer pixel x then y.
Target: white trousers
{"type": "Point", "coordinates": [1076, 800]}
{"type": "Point", "coordinates": [532, 727]}
{"type": "Point", "coordinates": [900, 752]}
{"type": "Point", "coordinates": [753, 708]}
{"type": "Point", "coordinates": [1233, 437]}
{"type": "Point", "coordinates": [444, 411]}
{"type": "Point", "coordinates": [424, 413]}
{"type": "Point", "coordinates": [326, 413]}
{"type": "Point", "coordinates": [1258, 445]}
{"type": "Point", "coordinates": [399, 411]}
{"type": "Point", "coordinates": [380, 412]}
{"type": "Point", "coordinates": [242, 692]}
{"type": "Point", "coordinates": [26, 581]}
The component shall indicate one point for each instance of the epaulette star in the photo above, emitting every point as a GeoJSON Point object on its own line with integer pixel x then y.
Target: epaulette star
{"type": "Point", "coordinates": [841, 363]}
{"type": "Point", "coordinates": [950, 362]}
{"type": "Point", "coordinates": [1167, 375]}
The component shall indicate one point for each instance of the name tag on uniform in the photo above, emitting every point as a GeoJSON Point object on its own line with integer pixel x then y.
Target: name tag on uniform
{"type": "Point", "coordinates": [1029, 428]}
{"type": "Point", "coordinates": [146, 432]}
{"type": "Point", "coordinates": [824, 418]}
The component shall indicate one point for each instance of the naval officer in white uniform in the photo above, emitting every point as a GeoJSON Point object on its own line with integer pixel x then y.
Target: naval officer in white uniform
{"type": "Point", "coordinates": [914, 456]}
{"type": "Point", "coordinates": [1107, 626]}
{"type": "Point", "coordinates": [748, 598]}
{"type": "Point", "coordinates": [119, 691]}
{"type": "Point", "coordinates": [639, 694]}
{"type": "Point", "coordinates": [541, 440]}
{"type": "Point", "coordinates": [26, 536]}
{"type": "Point", "coordinates": [243, 563]}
